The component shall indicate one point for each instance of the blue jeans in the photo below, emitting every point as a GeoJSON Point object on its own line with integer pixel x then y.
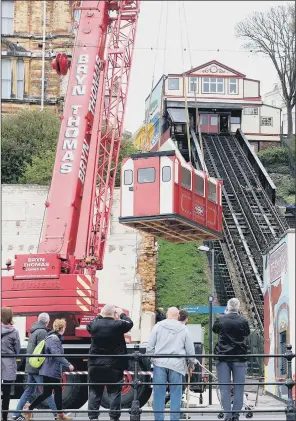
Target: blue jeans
{"type": "Point", "coordinates": [29, 393]}
{"type": "Point", "coordinates": [239, 372]}
{"type": "Point", "coordinates": [164, 375]}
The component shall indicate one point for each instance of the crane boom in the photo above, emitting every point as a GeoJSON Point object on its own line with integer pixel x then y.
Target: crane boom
{"type": "Point", "coordinates": [61, 276]}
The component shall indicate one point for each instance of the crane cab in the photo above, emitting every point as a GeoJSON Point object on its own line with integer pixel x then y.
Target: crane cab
{"type": "Point", "coordinates": [166, 197]}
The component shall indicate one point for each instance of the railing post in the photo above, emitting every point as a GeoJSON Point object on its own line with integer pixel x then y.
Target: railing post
{"type": "Point", "coordinates": [290, 408]}
{"type": "Point", "coordinates": [135, 411]}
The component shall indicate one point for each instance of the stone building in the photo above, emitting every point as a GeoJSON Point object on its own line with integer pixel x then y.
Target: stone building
{"type": "Point", "coordinates": [21, 50]}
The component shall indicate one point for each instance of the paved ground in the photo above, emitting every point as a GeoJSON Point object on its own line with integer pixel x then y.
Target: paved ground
{"type": "Point", "coordinates": [264, 402]}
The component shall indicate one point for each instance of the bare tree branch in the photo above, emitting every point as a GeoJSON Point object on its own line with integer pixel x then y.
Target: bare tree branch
{"type": "Point", "coordinates": [273, 34]}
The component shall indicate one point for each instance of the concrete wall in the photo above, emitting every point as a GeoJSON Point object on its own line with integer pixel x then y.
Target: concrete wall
{"type": "Point", "coordinates": [128, 277]}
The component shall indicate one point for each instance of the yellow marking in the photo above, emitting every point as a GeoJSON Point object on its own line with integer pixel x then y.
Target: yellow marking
{"type": "Point", "coordinates": [84, 284]}
{"type": "Point", "coordinates": [86, 299]}
{"type": "Point", "coordinates": [81, 306]}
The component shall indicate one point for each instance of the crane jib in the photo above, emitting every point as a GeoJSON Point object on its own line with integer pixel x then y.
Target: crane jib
{"type": "Point", "coordinates": [73, 122]}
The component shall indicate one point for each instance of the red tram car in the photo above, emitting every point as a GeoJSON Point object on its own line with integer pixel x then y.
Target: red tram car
{"type": "Point", "coordinates": [163, 195]}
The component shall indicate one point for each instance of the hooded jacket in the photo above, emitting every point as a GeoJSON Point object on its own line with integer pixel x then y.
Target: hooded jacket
{"type": "Point", "coordinates": [53, 366]}
{"type": "Point", "coordinates": [38, 332]}
{"type": "Point", "coordinates": [233, 330]}
{"type": "Point", "coordinates": [171, 337]}
{"type": "Point", "coordinates": [10, 344]}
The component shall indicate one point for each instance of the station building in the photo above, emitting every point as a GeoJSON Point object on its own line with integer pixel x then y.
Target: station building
{"type": "Point", "coordinates": [227, 100]}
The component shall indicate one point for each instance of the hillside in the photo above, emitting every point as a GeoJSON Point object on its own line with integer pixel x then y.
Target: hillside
{"type": "Point", "coordinates": [182, 278]}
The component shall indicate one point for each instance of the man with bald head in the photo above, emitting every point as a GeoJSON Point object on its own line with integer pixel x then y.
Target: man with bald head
{"type": "Point", "coordinates": [107, 338]}
{"type": "Point", "coordinates": [172, 337]}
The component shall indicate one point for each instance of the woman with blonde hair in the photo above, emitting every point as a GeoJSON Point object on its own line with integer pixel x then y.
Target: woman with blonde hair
{"type": "Point", "coordinates": [10, 344]}
{"type": "Point", "coordinates": [51, 369]}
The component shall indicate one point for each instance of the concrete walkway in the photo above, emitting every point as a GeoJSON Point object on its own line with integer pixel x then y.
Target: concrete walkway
{"type": "Point", "coordinates": [264, 402]}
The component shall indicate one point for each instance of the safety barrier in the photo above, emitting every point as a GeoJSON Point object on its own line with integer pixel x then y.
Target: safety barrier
{"type": "Point", "coordinates": [136, 411]}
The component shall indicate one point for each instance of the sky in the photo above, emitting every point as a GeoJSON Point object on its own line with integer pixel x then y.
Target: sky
{"type": "Point", "coordinates": [210, 26]}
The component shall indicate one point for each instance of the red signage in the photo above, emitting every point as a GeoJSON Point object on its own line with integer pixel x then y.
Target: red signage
{"type": "Point", "coordinates": [37, 266]}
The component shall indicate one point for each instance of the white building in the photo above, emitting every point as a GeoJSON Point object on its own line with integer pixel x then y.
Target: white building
{"type": "Point", "coordinates": [226, 100]}
{"type": "Point", "coordinates": [275, 98]}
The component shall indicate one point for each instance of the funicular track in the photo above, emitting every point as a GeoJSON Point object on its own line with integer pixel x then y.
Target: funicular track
{"type": "Point", "coordinates": [250, 221]}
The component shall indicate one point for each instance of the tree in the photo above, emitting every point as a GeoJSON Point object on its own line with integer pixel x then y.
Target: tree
{"type": "Point", "coordinates": [127, 148]}
{"type": "Point", "coordinates": [39, 171]}
{"type": "Point", "coordinates": [24, 136]}
{"type": "Point", "coordinates": [273, 34]}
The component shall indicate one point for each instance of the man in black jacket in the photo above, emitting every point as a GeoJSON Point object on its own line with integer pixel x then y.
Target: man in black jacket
{"type": "Point", "coordinates": [160, 315]}
{"type": "Point", "coordinates": [107, 338]}
{"type": "Point", "coordinates": [38, 332]}
{"type": "Point", "coordinates": [233, 329]}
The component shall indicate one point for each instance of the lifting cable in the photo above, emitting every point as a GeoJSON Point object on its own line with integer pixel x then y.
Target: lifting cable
{"type": "Point", "coordinates": [184, 86]}
{"type": "Point", "coordinates": [146, 142]}
{"type": "Point", "coordinates": [163, 74]}
{"type": "Point", "coordinates": [197, 117]}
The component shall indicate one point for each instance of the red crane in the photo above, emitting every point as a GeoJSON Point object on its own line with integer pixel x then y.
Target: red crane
{"type": "Point", "coordinates": [61, 277]}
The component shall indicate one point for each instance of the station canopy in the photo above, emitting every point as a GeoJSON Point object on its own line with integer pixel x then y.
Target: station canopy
{"type": "Point", "coordinates": [177, 115]}
{"type": "Point", "coordinates": [176, 106]}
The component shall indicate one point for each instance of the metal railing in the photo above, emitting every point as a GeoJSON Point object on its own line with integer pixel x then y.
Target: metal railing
{"type": "Point", "coordinates": [136, 411]}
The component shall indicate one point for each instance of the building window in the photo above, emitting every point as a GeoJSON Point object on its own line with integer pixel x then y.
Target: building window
{"type": "Point", "coordinates": [192, 84]}
{"type": "Point", "coordinates": [233, 86]}
{"type": "Point", "coordinates": [173, 84]}
{"type": "Point", "coordinates": [7, 17]}
{"type": "Point", "coordinates": [235, 120]}
{"type": "Point", "coordinates": [166, 174]}
{"type": "Point", "coordinates": [128, 177]}
{"type": "Point", "coordinates": [203, 119]}
{"type": "Point", "coordinates": [250, 111]}
{"type": "Point", "coordinates": [212, 85]}
{"type": "Point", "coordinates": [185, 178]}
{"type": "Point", "coordinates": [214, 121]}
{"type": "Point", "coordinates": [6, 82]}
{"type": "Point", "coordinates": [146, 175]}
{"type": "Point", "coordinates": [20, 74]}
{"type": "Point", "coordinates": [266, 121]}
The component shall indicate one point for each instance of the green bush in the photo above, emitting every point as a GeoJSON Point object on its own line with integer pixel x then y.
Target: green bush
{"type": "Point", "coordinates": [24, 136]}
{"type": "Point", "coordinates": [274, 155]}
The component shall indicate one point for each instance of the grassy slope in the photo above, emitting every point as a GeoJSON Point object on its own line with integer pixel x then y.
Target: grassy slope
{"type": "Point", "coordinates": [183, 279]}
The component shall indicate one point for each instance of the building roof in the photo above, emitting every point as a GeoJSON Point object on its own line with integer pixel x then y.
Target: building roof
{"type": "Point", "coordinates": [12, 46]}
{"type": "Point", "coordinates": [214, 64]}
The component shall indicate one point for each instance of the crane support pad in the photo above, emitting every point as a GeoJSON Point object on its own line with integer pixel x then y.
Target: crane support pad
{"type": "Point", "coordinates": [171, 227]}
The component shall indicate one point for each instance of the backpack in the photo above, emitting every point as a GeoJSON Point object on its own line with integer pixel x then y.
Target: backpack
{"type": "Point", "coordinates": [36, 362]}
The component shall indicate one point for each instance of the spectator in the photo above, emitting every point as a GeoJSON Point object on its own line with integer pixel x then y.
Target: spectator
{"type": "Point", "coordinates": [170, 337]}
{"type": "Point", "coordinates": [38, 331]}
{"type": "Point", "coordinates": [51, 369]}
{"type": "Point", "coordinates": [10, 344]}
{"type": "Point", "coordinates": [183, 316]}
{"type": "Point", "coordinates": [233, 329]}
{"type": "Point", "coordinates": [107, 338]}
{"type": "Point", "coordinates": [160, 315]}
